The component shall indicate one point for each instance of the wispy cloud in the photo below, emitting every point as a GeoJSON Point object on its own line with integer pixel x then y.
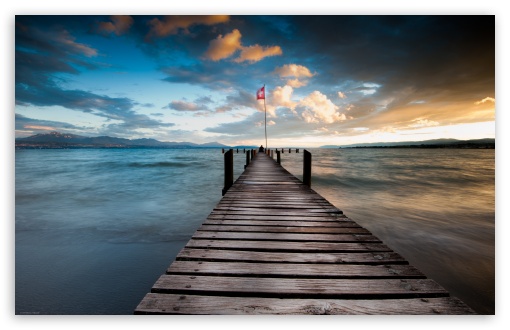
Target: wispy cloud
{"type": "Point", "coordinates": [487, 99]}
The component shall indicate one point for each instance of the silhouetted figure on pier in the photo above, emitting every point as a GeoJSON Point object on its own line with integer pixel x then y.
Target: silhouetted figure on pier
{"type": "Point", "coordinates": [261, 149]}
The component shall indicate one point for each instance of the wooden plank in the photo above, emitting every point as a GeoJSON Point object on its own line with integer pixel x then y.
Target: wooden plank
{"type": "Point", "coordinates": [269, 217]}
{"type": "Point", "coordinates": [155, 303]}
{"type": "Point", "coordinates": [290, 223]}
{"type": "Point", "coordinates": [278, 209]}
{"type": "Point", "coordinates": [285, 237]}
{"type": "Point", "coordinates": [369, 258]}
{"type": "Point", "coordinates": [299, 287]}
{"type": "Point", "coordinates": [280, 246]}
{"type": "Point", "coordinates": [292, 270]}
{"type": "Point", "coordinates": [262, 204]}
{"type": "Point", "coordinates": [302, 212]}
{"type": "Point", "coordinates": [283, 229]}
{"type": "Point", "coordinates": [274, 207]}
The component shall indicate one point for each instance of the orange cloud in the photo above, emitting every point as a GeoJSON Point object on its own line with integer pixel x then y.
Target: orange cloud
{"type": "Point", "coordinates": [256, 53]}
{"type": "Point", "coordinates": [120, 24]}
{"type": "Point", "coordinates": [172, 24]}
{"type": "Point", "coordinates": [281, 96]}
{"type": "Point", "coordinates": [224, 46]}
{"type": "Point", "coordinates": [293, 70]}
{"type": "Point", "coordinates": [296, 83]}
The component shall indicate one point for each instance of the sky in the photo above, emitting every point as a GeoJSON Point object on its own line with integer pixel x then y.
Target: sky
{"type": "Point", "coordinates": [329, 80]}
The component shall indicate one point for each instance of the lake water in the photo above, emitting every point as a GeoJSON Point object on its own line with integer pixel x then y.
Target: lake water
{"type": "Point", "coordinates": [95, 228]}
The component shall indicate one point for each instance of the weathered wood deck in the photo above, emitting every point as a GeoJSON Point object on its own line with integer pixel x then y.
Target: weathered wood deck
{"type": "Point", "coordinates": [272, 245]}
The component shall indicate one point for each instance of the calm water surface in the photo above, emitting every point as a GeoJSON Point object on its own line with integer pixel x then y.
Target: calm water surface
{"type": "Point", "coordinates": [96, 228]}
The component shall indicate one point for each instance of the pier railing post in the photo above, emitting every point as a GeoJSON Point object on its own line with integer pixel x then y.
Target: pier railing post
{"type": "Point", "coordinates": [247, 159]}
{"type": "Point", "coordinates": [307, 168]}
{"type": "Point", "coordinates": [278, 158]}
{"type": "Point", "coordinates": [229, 170]}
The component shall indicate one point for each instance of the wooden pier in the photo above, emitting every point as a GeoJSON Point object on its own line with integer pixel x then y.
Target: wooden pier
{"type": "Point", "coordinates": [273, 245]}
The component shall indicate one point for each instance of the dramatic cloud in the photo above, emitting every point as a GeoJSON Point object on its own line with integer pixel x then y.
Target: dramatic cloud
{"type": "Point", "coordinates": [256, 53]}
{"type": "Point", "coordinates": [318, 108]}
{"type": "Point", "coordinates": [224, 46]}
{"type": "Point", "coordinates": [296, 83]}
{"type": "Point", "coordinates": [119, 25]}
{"type": "Point", "coordinates": [174, 24]}
{"type": "Point", "coordinates": [281, 97]}
{"type": "Point", "coordinates": [293, 70]}
{"type": "Point", "coordinates": [296, 71]}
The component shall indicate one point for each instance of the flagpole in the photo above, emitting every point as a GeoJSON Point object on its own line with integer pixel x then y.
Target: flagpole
{"type": "Point", "coordinates": [265, 115]}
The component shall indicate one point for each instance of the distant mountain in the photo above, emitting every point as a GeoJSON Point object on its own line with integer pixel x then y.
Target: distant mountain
{"type": "Point", "coordinates": [438, 143]}
{"type": "Point", "coordinates": [63, 140]}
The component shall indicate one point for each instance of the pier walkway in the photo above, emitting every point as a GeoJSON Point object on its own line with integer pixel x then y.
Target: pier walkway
{"type": "Point", "coordinates": [273, 245]}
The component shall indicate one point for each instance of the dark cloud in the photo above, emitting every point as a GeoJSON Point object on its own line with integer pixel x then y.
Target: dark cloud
{"type": "Point", "coordinates": [424, 52]}
{"type": "Point", "coordinates": [43, 54]}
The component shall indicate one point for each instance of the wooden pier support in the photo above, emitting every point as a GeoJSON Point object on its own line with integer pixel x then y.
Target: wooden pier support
{"type": "Point", "coordinates": [278, 158]}
{"type": "Point", "coordinates": [307, 168]}
{"type": "Point", "coordinates": [228, 158]}
{"type": "Point", "coordinates": [247, 159]}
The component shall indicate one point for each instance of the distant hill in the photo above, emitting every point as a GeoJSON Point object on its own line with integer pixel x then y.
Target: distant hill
{"type": "Point", "coordinates": [64, 140]}
{"type": "Point", "coordinates": [438, 143]}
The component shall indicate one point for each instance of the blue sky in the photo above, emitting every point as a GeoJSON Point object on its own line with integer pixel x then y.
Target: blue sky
{"type": "Point", "coordinates": [329, 79]}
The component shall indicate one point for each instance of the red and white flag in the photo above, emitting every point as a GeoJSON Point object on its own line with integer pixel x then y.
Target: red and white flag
{"type": "Point", "coordinates": [261, 93]}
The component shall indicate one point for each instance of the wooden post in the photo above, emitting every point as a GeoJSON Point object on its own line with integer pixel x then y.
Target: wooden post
{"type": "Point", "coordinates": [247, 159]}
{"type": "Point", "coordinates": [283, 151]}
{"type": "Point", "coordinates": [272, 154]}
{"type": "Point", "coordinates": [222, 150]}
{"type": "Point", "coordinates": [229, 170]}
{"type": "Point", "coordinates": [289, 150]}
{"type": "Point", "coordinates": [307, 168]}
{"type": "Point", "coordinates": [278, 158]}
{"type": "Point", "coordinates": [237, 150]}
{"type": "Point", "coordinates": [297, 151]}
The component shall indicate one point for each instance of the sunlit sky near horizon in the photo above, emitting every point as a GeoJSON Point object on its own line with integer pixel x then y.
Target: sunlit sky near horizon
{"type": "Point", "coordinates": [330, 80]}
